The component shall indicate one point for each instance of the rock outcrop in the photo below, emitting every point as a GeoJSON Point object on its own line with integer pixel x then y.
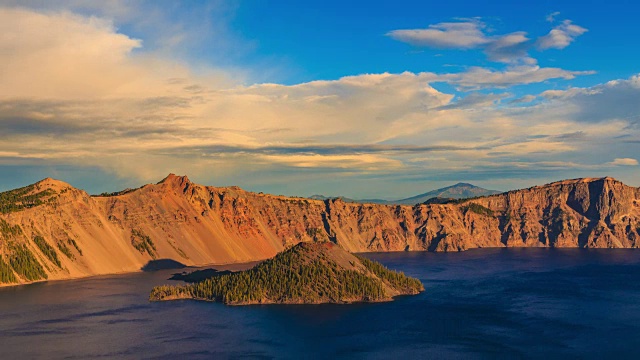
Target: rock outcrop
{"type": "Point", "coordinates": [196, 225]}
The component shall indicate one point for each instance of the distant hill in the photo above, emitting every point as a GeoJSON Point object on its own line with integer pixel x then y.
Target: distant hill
{"type": "Point", "coordinates": [349, 200]}
{"type": "Point", "coordinates": [308, 273]}
{"type": "Point", "coordinates": [457, 191]}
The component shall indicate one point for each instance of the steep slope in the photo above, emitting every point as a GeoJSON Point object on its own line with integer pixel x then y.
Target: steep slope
{"type": "Point", "coordinates": [98, 235]}
{"type": "Point", "coordinates": [457, 191]}
{"type": "Point", "coordinates": [52, 230]}
{"type": "Point", "coordinates": [601, 213]}
{"type": "Point", "coordinates": [308, 273]}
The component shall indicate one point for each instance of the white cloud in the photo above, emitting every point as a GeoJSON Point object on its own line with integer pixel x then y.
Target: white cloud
{"type": "Point", "coordinates": [449, 35]}
{"type": "Point", "coordinates": [561, 36]}
{"type": "Point", "coordinates": [477, 77]}
{"type": "Point", "coordinates": [523, 100]}
{"type": "Point", "coordinates": [624, 162]}
{"type": "Point", "coordinates": [63, 55]}
{"type": "Point", "coordinates": [477, 101]}
{"type": "Point", "coordinates": [614, 100]}
{"type": "Point", "coordinates": [552, 17]}
{"type": "Point", "coordinates": [358, 162]}
{"type": "Point", "coordinates": [510, 48]}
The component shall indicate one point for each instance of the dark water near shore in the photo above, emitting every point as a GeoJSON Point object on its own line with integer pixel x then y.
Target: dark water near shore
{"type": "Point", "coordinates": [494, 303]}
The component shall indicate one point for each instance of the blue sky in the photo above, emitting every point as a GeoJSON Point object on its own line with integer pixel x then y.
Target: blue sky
{"type": "Point", "coordinates": [362, 99]}
{"type": "Point", "coordinates": [330, 39]}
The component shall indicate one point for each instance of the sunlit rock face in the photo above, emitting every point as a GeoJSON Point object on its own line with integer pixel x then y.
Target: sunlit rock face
{"type": "Point", "coordinates": [195, 225]}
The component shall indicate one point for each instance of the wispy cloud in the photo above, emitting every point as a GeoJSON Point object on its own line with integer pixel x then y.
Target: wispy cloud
{"type": "Point", "coordinates": [613, 100]}
{"type": "Point", "coordinates": [449, 35]}
{"type": "Point", "coordinates": [468, 34]}
{"type": "Point", "coordinates": [552, 16]}
{"type": "Point", "coordinates": [512, 48]}
{"type": "Point", "coordinates": [478, 77]}
{"type": "Point", "coordinates": [624, 162]}
{"type": "Point", "coordinates": [561, 36]}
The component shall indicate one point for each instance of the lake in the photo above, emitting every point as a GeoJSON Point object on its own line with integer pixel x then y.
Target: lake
{"type": "Point", "coordinates": [487, 303]}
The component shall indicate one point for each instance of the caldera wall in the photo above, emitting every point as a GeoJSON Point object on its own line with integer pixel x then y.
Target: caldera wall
{"type": "Point", "coordinates": [196, 225]}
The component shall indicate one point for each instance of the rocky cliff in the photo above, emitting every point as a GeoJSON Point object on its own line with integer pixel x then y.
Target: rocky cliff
{"type": "Point", "coordinates": [52, 230]}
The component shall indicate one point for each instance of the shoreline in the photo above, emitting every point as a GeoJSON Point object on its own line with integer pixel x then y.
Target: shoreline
{"type": "Point", "coordinates": [253, 263]}
{"type": "Point", "coordinates": [120, 273]}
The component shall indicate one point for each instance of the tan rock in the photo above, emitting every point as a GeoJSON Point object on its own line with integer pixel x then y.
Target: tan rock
{"type": "Point", "coordinates": [198, 225]}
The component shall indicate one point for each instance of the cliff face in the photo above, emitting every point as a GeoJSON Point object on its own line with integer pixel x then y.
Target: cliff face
{"type": "Point", "coordinates": [195, 225]}
{"type": "Point", "coordinates": [572, 213]}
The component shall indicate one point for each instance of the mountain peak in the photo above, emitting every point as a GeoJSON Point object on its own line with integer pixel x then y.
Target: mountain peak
{"type": "Point", "coordinates": [463, 184]}
{"type": "Point", "coordinates": [175, 179]}
{"type": "Point", "coordinates": [584, 180]}
{"type": "Point", "coordinates": [458, 191]}
{"type": "Point", "coordinates": [52, 184]}
{"type": "Point", "coordinates": [609, 178]}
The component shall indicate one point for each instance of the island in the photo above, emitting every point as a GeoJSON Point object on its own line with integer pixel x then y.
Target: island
{"type": "Point", "coordinates": [307, 273]}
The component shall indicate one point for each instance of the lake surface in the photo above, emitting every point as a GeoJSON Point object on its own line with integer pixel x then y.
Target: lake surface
{"type": "Point", "coordinates": [490, 303]}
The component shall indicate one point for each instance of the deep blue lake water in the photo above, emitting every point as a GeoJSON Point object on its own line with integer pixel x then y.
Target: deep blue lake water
{"type": "Point", "coordinates": [490, 303]}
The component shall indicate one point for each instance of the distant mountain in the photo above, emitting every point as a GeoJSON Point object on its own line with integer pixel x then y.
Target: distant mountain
{"type": "Point", "coordinates": [453, 192]}
{"type": "Point", "coordinates": [457, 191]}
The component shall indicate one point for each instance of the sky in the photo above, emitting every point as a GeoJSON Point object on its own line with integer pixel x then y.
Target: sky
{"type": "Point", "coordinates": [359, 99]}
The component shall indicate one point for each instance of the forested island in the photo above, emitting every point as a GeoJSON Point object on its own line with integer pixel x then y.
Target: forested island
{"type": "Point", "coordinates": [307, 273]}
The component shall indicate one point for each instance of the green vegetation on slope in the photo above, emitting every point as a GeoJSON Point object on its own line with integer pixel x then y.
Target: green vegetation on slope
{"type": "Point", "coordinates": [18, 199]}
{"type": "Point", "coordinates": [65, 250]}
{"type": "Point", "coordinates": [116, 193]}
{"type": "Point", "coordinates": [25, 263]}
{"type": "Point", "coordinates": [143, 243]}
{"type": "Point", "coordinates": [478, 209]}
{"type": "Point", "coordinates": [397, 279]}
{"type": "Point", "coordinates": [317, 233]}
{"type": "Point", "coordinates": [72, 242]}
{"type": "Point", "coordinates": [9, 231]}
{"type": "Point", "coordinates": [62, 246]}
{"type": "Point", "coordinates": [291, 277]}
{"type": "Point", "coordinates": [47, 250]}
{"type": "Point", "coordinates": [6, 273]}
{"type": "Point", "coordinates": [178, 250]}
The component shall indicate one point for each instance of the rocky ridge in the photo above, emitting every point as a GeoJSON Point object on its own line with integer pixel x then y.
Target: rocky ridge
{"type": "Point", "coordinates": [197, 225]}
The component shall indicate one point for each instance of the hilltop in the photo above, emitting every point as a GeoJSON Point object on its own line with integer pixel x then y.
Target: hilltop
{"type": "Point", "coordinates": [308, 273]}
{"type": "Point", "coordinates": [51, 230]}
{"type": "Point", "coordinates": [455, 192]}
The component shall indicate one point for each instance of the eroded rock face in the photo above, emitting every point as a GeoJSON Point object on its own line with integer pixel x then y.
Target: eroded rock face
{"type": "Point", "coordinates": [196, 225]}
{"type": "Point", "coordinates": [572, 213]}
